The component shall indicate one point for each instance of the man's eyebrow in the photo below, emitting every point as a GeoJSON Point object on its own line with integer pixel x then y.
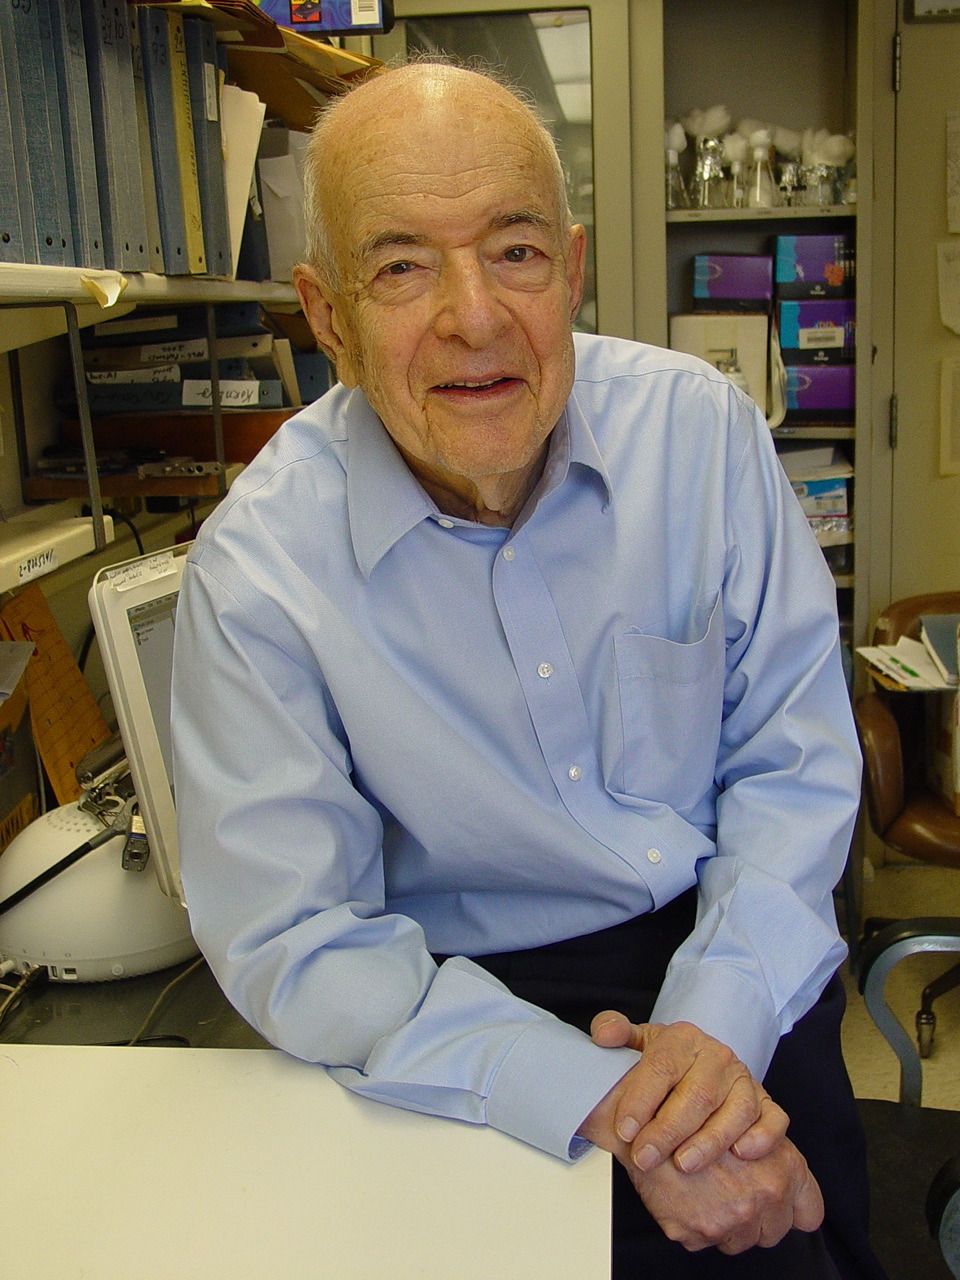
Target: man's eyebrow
{"type": "Point", "coordinates": [521, 218]}
{"type": "Point", "coordinates": [389, 240]}
{"type": "Point", "coordinates": [407, 239]}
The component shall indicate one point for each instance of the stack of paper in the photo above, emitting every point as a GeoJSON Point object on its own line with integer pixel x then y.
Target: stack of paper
{"type": "Point", "coordinates": [904, 665]}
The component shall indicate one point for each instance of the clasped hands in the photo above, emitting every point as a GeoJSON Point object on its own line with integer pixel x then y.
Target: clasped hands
{"type": "Point", "coordinates": [704, 1144]}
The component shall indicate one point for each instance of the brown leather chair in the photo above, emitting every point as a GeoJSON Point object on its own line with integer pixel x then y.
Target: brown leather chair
{"type": "Point", "coordinates": [903, 812]}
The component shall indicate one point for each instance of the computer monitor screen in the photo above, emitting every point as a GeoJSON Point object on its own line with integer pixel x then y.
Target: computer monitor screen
{"type": "Point", "coordinates": [151, 625]}
{"type": "Point", "coordinates": [133, 606]}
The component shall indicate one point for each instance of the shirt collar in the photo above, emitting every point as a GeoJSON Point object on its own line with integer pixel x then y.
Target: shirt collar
{"type": "Point", "coordinates": [385, 500]}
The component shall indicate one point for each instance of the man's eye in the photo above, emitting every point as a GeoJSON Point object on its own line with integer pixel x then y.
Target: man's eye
{"type": "Point", "coordinates": [397, 268]}
{"type": "Point", "coordinates": [519, 253]}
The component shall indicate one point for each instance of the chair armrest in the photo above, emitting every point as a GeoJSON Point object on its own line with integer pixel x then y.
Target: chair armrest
{"type": "Point", "coordinates": [882, 760]}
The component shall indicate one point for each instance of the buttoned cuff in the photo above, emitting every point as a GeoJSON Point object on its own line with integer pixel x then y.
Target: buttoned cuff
{"type": "Point", "coordinates": [725, 1004]}
{"type": "Point", "coordinates": [549, 1082]}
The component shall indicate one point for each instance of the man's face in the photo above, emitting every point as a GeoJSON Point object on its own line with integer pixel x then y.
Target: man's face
{"type": "Point", "coordinates": [460, 282]}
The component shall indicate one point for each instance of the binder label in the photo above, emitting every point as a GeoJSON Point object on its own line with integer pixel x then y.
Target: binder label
{"type": "Point", "coordinates": [210, 91]}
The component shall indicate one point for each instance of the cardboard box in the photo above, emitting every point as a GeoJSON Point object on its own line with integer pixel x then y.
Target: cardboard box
{"type": "Point", "coordinates": [817, 331]}
{"type": "Point", "coordinates": [943, 747]}
{"type": "Point", "coordinates": [822, 497]}
{"type": "Point", "coordinates": [814, 266]}
{"type": "Point", "coordinates": [732, 282]}
{"type": "Point", "coordinates": [820, 392]}
{"type": "Point", "coordinates": [18, 767]}
{"type": "Point", "coordinates": [729, 339]}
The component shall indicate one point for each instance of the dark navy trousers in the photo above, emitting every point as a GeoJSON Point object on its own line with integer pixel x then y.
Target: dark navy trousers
{"type": "Point", "coordinates": [623, 968]}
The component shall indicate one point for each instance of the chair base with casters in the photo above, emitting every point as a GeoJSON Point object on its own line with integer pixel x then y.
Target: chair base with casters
{"type": "Point", "coordinates": [882, 953]}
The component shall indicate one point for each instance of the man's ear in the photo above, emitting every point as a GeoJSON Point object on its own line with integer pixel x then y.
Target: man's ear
{"type": "Point", "coordinates": [321, 310]}
{"type": "Point", "coordinates": [576, 256]}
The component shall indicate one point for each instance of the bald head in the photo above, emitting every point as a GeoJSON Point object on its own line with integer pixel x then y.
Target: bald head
{"type": "Point", "coordinates": [413, 110]}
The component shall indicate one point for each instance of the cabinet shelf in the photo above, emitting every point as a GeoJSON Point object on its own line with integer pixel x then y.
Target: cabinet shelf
{"type": "Point", "coordinates": [30, 548]}
{"type": "Point", "coordinates": [815, 431]}
{"type": "Point", "coordinates": [801, 213]}
{"type": "Point", "coordinates": [28, 284]}
{"type": "Point", "coordinates": [127, 484]}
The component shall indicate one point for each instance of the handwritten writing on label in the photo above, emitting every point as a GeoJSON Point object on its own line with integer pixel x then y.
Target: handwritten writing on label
{"type": "Point", "coordinates": [37, 564]}
{"type": "Point", "coordinates": [167, 352]}
{"type": "Point", "coordinates": [233, 391]}
{"type": "Point", "coordinates": [126, 576]}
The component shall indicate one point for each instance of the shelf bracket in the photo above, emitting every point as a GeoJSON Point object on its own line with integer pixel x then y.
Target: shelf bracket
{"type": "Point", "coordinates": [216, 409]}
{"type": "Point", "coordinates": [86, 425]}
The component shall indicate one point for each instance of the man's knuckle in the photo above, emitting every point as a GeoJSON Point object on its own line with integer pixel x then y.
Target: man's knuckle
{"type": "Point", "coordinates": [667, 1133]}
{"type": "Point", "coordinates": [661, 1065]}
{"type": "Point", "coordinates": [703, 1096]}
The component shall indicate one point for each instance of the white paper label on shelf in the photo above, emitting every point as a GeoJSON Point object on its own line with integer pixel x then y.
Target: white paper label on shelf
{"type": "Point", "coordinates": [234, 392]}
{"type": "Point", "coordinates": [822, 335]}
{"type": "Point", "coordinates": [37, 564]}
{"type": "Point", "coordinates": [132, 575]}
{"type": "Point", "coordinates": [173, 351]}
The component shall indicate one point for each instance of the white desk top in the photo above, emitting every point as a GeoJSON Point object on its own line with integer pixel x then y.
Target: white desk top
{"type": "Point", "coordinates": [175, 1164]}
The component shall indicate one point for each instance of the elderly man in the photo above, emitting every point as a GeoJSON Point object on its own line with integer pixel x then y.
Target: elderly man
{"type": "Point", "coordinates": [516, 647]}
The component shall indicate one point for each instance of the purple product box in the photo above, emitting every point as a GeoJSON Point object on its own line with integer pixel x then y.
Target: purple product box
{"type": "Point", "coordinates": [817, 330]}
{"type": "Point", "coordinates": [332, 17]}
{"type": "Point", "coordinates": [820, 391]}
{"type": "Point", "coordinates": [815, 266]}
{"type": "Point", "coordinates": [732, 282]}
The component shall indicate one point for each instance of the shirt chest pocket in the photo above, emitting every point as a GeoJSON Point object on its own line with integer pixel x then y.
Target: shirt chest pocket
{"type": "Point", "coordinates": [671, 703]}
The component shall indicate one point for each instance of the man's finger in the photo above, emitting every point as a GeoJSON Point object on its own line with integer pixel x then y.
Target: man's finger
{"type": "Point", "coordinates": [761, 1138]}
{"type": "Point", "coordinates": [808, 1205]}
{"type": "Point", "coordinates": [614, 1030]}
{"type": "Point", "coordinates": [740, 1113]}
{"type": "Point", "coordinates": [683, 1085]}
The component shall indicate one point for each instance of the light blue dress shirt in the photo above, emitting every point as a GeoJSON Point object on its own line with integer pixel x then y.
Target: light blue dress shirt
{"type": "Point", "coordinates": [397, 732]}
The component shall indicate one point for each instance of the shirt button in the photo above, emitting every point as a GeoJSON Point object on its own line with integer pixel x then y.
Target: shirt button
{"type": "Point", "coordinates": [574, 773]}
{"type": "Point", "coordinates": [545, 670]}
{"type": "Point", "coordinates": [654, 855]}
{"type": "Point", "coordinates": [445, 524]}
{"type": "Point", "coordinates": [508, 553]}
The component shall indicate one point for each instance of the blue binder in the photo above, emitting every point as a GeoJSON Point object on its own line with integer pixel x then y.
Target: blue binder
{"type": "Point", "coordinates": [201, 45]}
{"type": "Point", "coordinates": [50, 207]}
{"type": "Point", "coordinates": [155, 51]}
{"type": "Point", "coordinates": [11, 233]}
{"type": "Point", "coordinates": [20, 170]}
{"type": "Point", "coordinates": [151, 213]}
{"type": "Point", "coordinates": [104, 108]}
{"type": "Point", "coordinates": [77, 125]}
{"type": "Point", "coordinates": [134, 242]}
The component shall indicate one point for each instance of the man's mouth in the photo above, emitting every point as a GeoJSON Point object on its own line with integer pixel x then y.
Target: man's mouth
{"type": "Point", "coordinates": [475, 388]}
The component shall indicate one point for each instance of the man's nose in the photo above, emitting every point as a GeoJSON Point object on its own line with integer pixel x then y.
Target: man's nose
{"type": "Point", "coordinates": [469, 306]}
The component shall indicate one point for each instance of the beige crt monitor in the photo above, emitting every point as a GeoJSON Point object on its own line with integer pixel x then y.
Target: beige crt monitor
{"type": "Point", "coordinates": [133, 606]}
